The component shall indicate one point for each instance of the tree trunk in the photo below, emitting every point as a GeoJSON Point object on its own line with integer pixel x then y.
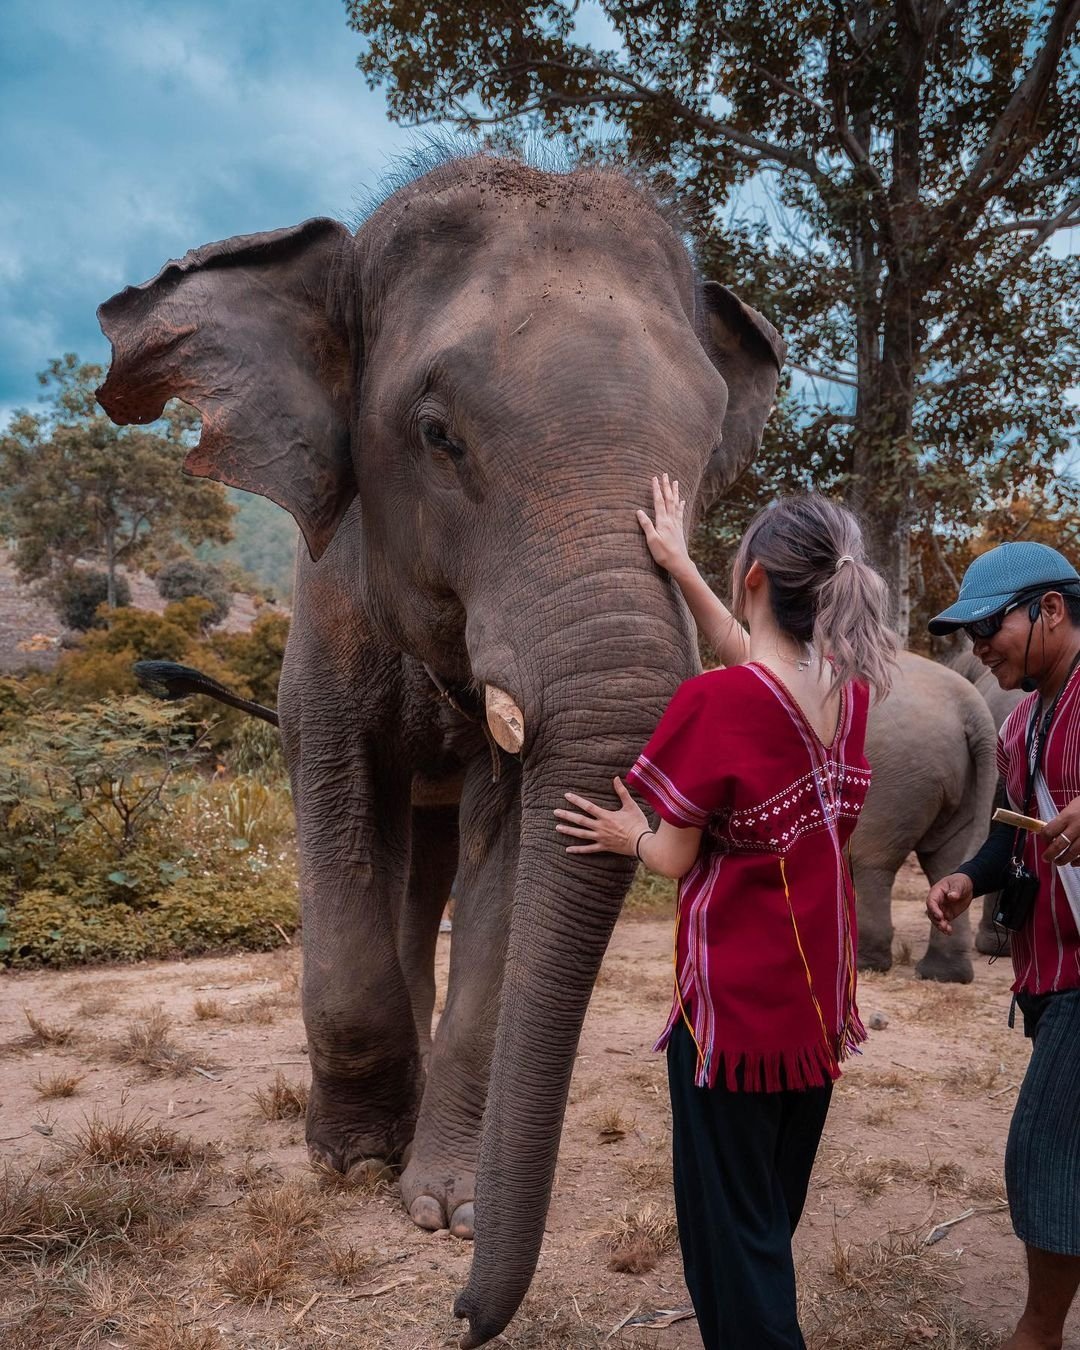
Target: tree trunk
{"type": "Point", "coordinates": [110, 568]}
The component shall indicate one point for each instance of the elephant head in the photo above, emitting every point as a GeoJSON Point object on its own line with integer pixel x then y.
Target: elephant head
{"type": "Point", "coordinates": [496, 363]}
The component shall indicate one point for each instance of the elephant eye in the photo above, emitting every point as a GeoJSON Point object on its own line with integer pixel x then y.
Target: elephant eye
{"type": "Point", "coordinates": [437, 436]}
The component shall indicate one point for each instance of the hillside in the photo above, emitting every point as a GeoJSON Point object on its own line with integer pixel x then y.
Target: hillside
{"type": "Point", "coordinates": [31, 630]}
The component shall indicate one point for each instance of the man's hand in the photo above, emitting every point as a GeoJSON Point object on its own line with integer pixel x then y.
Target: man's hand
{"type": "Point", "coordinates": [948, 897]}
{"type": "Point", "coordinates": [1062, 835]}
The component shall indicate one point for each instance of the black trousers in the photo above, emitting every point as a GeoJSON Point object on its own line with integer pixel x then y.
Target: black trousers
{"type": "Point", "coordinates": [742, 1163]}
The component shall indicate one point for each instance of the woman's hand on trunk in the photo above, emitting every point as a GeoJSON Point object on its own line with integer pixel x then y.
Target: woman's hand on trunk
{"type": "Point", "coordinates": [667, 537]}
{"type": "Point", "coordinates": [603, 831]}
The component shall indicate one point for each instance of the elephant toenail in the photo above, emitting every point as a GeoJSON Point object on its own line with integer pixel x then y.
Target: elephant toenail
{"type": "Point", "coordinates": [463, 1223]}
{"type": "Point", "coordinates": [426, 1212]}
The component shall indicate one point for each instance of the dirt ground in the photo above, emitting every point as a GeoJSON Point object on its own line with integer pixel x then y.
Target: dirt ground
{"type": "Point", "coordinates": [240, 1246]}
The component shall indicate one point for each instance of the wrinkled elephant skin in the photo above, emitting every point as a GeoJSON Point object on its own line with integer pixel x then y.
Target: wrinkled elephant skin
{"type": "Point", "coordinates": [462, 405]}
{"type": "Point", "coordinates": [931, 745]}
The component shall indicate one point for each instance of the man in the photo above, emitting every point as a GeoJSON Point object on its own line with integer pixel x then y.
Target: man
{"type": "Point", "coordinates": [1020, 605]}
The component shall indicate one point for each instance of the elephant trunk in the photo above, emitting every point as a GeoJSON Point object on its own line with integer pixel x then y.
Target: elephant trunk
{"type": "Point", "coordinates": [565, 907]}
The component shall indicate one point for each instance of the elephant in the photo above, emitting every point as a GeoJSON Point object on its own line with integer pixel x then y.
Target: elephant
{"type": "Point", "coordinates": [462, 404]}
{"type": "Point", "coordinates": [931, 746]}
{"type": "Point", "coordinates": [956, 653]}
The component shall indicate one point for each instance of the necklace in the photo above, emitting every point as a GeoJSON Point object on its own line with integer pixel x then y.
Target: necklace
{"type": "Point", "coordinates": [801, 663]}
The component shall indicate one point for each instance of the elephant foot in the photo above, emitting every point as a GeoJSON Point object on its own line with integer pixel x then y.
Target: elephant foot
{"type": "Point", "coordinates": [993, 942]}
{"type": "Point", "coordinates": [440, 1197]}
{"type": "Point", "coordinates": [945, 968]}
{"type": "Point", "coordinates": [343, 1145]}
{"type": "Point", "coordinates": [874, 958]}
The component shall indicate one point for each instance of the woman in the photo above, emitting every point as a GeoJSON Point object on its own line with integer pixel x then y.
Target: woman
{"type": "Point", "coordinates": [758, 775]}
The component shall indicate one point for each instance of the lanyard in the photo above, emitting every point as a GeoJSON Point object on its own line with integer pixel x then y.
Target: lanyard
{"type": "Point", "coordinates": [1037, 737]}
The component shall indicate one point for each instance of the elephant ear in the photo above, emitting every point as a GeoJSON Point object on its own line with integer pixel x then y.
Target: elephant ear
{"type": "Point", "coordinates": [749, 353]}
{"type": "Point", "coordinates": [242, 330]}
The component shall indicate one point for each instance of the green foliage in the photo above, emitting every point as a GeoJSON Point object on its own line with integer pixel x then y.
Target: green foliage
{"type": "Point", "coordinates": [880, 180]}
{"type": "Point", "coordinates": [186, 578]}
{"type": "Point", "coordinates": [256, 656]}
{"type": "Point", "coordinates": [79, 591]}
{"type": "Point", "coordinates": [255, 752]}
{"type": "Point", "coordinates": [113, 845]}
{"type": "Point", "coordinates": [73, 485]}
{"type": "Point", "coordinates": [263, 545]}
{"type": "Point", "coordinates": [101, 665]}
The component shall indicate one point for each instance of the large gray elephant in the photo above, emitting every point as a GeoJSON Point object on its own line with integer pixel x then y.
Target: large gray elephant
{"type": "Point", "coordinates": [931, 745]}
{"type": "Point", "coordinates": [462, 405]}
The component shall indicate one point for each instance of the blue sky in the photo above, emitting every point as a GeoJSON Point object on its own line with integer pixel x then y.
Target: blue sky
{"type": "Point", "coordinates": [135, 130]}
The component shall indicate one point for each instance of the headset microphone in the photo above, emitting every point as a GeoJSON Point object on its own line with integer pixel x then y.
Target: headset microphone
{"type": "Point", "coordinates": [1029, 684]}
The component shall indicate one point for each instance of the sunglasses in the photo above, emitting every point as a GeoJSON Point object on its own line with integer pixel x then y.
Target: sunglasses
{"type": "Point", "coordinates": [981, 630]}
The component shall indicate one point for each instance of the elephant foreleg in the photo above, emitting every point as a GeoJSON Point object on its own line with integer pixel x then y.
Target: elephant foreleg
{"type": "Point", "coordinates": [873, 893]}
{"type": "Point", "coordinates": [947, 959]}
{"type": "Point", "coordinates": [353, 831]}
{"type": "Point", "coordinates": [431, 875]}
{"type": "Point", "coordinates": [989, 938]}
{"type": "Point", "coordinates": [438, 1185]}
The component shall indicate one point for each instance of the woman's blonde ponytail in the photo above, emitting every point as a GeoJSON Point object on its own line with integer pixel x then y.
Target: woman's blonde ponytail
{"type": "Point", "coordinates": [822, 589]}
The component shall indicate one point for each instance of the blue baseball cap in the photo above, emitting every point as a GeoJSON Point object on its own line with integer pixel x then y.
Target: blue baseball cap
{"type": "Point", "coordinates": [998, 577]}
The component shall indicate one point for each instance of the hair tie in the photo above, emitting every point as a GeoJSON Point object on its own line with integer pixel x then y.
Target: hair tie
{"type": "Point", "coordinates": [842, 560]}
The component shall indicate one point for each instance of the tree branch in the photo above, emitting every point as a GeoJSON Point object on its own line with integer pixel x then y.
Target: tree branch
{"type": "Point", "coordinates": [833, 376]}
{"type": "Point", "coordinates": [799, 159]}
{"type": "Point", "coordinates": [1034, 223]}
{"type": "Point", "coordinates": [1016, 132]}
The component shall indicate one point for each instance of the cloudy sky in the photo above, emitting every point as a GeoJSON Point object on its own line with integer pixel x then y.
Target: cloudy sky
{"type": "Point", "coordinates": [134, 130]}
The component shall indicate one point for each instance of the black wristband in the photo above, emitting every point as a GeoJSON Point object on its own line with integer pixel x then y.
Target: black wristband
{"type": "Point", "coordinates": [637, 846]}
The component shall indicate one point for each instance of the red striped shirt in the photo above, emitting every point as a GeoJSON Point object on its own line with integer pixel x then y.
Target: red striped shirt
{"type": "Point", "coordinates": [765, 938]}
{"type": "Point", "coordinates": [1046, 951]}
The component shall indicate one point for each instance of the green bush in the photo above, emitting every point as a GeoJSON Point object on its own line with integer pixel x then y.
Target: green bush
{"type": "Point", "coordinates": [187, 578]}
{"type": "Point", "coordinates": [194, 915]}
{"type": "Point", "coordinates": [80, 591]}
{"type": "Point", "coordinates": [114, 845]}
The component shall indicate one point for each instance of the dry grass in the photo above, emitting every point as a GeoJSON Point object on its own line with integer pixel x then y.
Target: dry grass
{"type": "Point", "coordinates": [345, 1265]}
{"type": "Point", "coordinates": [259, 1271]}
{"type": "Point", "coordinates": [43, 1035]}
{"type": "Point", "coordinates": [882, 1114]}
{"type": "Point", "coordinates": [648, 1174]}
{"type": "Point", "coordinates": [283, 1213]}
{"type": "Point", "coordinates": [873, 1176]}
{"type": "Point", "coordinates": [147, 1043]}
{"type": "Point", "coordinates": [366, 1178]}
{"type": "Point", "coordinates": [58, 1084]}
{"type": "Point", "coordinates": [902, 954]}
{"type": "Point", "coordinates": [208, 1009]}
{"type": "Point", "coordinates": [969, 1080]}
{"type": "Point", "coordinates": [160, 1332]}
{"type": "Point", "coordinates": [48, 1213]}
{"type": "Point", "coordinates": [281, 1099]}
{"type": "Point", "coordinates": [612, 1125]}
{"type": "Point", "coordinates": [135, 1141]}
{"type": "Point", "coordinates": [640, 1238]}
{"type": "Point", "coordinates": [889, 1295]}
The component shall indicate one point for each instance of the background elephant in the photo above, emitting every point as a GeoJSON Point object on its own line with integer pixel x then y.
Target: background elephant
{"type": "Point", "coordinates": [462, 405]}
{"type": "Point", "coordinates": [931, 745]}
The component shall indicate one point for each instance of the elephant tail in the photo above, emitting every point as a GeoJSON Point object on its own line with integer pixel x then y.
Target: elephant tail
{"type": "Point", "coordinates": [168, 680]}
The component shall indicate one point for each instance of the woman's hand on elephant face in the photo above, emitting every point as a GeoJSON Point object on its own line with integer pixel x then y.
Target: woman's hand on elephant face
{"type": "Point", "coordinates": [667, 537]}
{"type": "Point", "coordinates": [1062, 836]}
{"type": "Point", "coordinates": [949, 897]}
{"type": "Point", "coordinates": [603, 831]}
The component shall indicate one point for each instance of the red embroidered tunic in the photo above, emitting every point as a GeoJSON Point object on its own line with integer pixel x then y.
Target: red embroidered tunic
{"type": "Point", "coordinates": [765, 933]}
{"type": "Point", "coordinates": [1046, 951]}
